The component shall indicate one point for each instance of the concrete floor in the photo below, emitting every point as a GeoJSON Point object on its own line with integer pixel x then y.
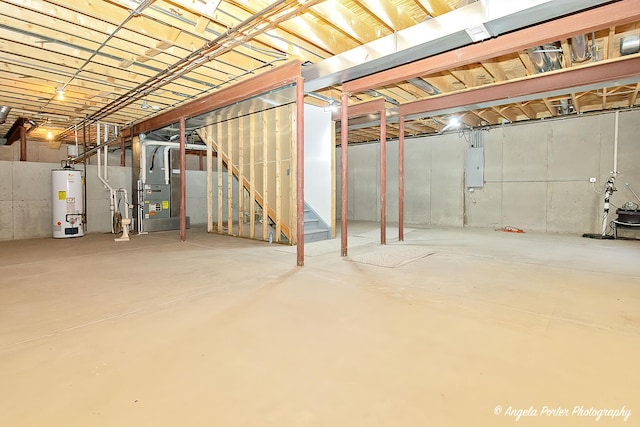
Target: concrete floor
{"type": "Point", "coordinates": [220, 331]}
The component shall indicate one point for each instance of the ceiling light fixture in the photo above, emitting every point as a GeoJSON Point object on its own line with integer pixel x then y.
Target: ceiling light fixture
{"type": "Point", "coordinates": [60, 92]}
{"type": "Point", "coordinates": [145, 104]}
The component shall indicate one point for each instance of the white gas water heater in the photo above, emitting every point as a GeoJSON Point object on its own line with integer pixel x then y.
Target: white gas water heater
{"type": "Point", "coordinates": [68, 215]}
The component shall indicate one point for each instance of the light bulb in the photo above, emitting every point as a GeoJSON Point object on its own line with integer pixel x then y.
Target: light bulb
{"type": "Point", "coordinates": [60, 94]}
{"type": "Point", "coordinates": [49, 135]}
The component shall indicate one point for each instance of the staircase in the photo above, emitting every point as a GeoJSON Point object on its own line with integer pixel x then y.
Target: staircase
{"type": "Point", "coordinates": [315, 228]}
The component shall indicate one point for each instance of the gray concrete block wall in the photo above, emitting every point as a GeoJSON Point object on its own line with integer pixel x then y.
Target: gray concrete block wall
{"type": "Point", "coordinates": [31, 197]}
{"type": "Point", "coordinates": [10, 152]}
{"type": "Point", "coordinates": [434, 172]}
{"type": "Point", "coordinates": [37, 151]}
{"type": "Point", "coordinates": [25, 198]}
{"type": "Point", "coordinates": [536, 176]}
{"type": "Point", "coordinates": [6, 200]}
{"type": "Point", "coordinates": [98, 203]}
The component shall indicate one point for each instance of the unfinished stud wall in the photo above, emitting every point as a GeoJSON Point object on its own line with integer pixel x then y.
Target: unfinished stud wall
{"type": "Point", "coordinates": [256, 150]}
{"type": "Point", "coordinates": [536, 176]}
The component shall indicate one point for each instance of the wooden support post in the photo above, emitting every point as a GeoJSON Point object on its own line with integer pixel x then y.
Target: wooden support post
{"type": "Point", "coordinates": [299, 158]}
{"type": "Point", "coordinates": [209, 130]}
{"type": "Point", "coordinates": [23, 144]}
{"type": "Point", "coordinates": [230, 178]}
{"type": "Point", "coordinates": [278, 176]}
{"type": "Point", "coordinates": [183, 182]}
{"type": "Point", "coordinates": [293, 174]}
{"type": "Point", "coordinates": [383, 177]}
{"type": "Point", "coordinates": [240, 176]}
{"type": "Point", "coordinates": [401, 180]}
{"type": "Point", "coordinates": [252, 176]}
{"type": "Point", "coordinates": [333, 179]}
{"type": "Point", "coordinates": [219, 155]}
{"type": "Point", "coordinates": [265, 177]}
{"type": "Point", "coordinates": [344, 142]}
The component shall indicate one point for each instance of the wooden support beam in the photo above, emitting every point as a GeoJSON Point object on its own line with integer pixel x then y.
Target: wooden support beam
{"type": "Point", "coordinates": [209, 185]}
{"type": "Point", "coordinates": [344, 142]}
{"type": "Point", "coordinates": [278, 165]}
{"type": "Point", "coordinates": [252, 175]}
{"type": "Point", "coordinates": [576, 103]}
{"type": "Point", "coordinates": [333, 180]}
{"type": "Point", "coordinates": [634, 96]}
{"type": "Point", "coordinates": [265, 177]}
{"type": "Point", "coordinates": [550, 108]}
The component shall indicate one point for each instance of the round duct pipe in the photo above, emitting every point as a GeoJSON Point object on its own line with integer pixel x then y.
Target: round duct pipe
{"type": "Point", "coordinates": [579, 48]}
{"type": "Point", "coordinates": [630, 45]}
{"type": "Point", "coordinates": [4, 112]}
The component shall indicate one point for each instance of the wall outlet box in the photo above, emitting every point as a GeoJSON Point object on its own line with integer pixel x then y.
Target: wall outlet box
{"type": "Point", "coordinates": [592, 180]}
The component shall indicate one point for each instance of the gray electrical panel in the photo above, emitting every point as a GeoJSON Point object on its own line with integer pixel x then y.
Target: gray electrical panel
{"type": "Point", "coordinates": [475, 167]}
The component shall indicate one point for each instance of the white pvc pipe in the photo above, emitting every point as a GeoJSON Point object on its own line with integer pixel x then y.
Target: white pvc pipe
{"type": "Point", "coordinates": [106, 152]}
{"type": "Point", "coordinates": [98, 151]}
{"type": "Point", "coordinates": [615, 145]}
{"type": "Point", "coordinates": [143, 163]}
{"type": "Point", "coordinates": [170, 145]}
{"type": "Point", "coordinates": [112, 193]}
{"type": "Point", "coordinates": [174, 145]}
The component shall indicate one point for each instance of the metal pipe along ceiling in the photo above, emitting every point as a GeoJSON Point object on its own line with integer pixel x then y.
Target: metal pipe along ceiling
{"type": "Point", "coordinates": [251, 27]}
{"type": "Point", "coordinates": [132, 14]}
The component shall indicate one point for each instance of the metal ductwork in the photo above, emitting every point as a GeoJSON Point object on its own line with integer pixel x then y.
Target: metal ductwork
{"type": "Point", "coordinates": [480, 19]}
{"type": "Point", "coordinates": [425, 86]}
{"type": "Point", "coordinates": [4, 112]}
{"type": "Point", "coordinates": [630, 45]}
{"type": "Point", "coordinates": [579, 49]}
{"type": "Point", "coordinates": [564, 108]}
{"type": "Point", "coordinates": [547, 57]}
